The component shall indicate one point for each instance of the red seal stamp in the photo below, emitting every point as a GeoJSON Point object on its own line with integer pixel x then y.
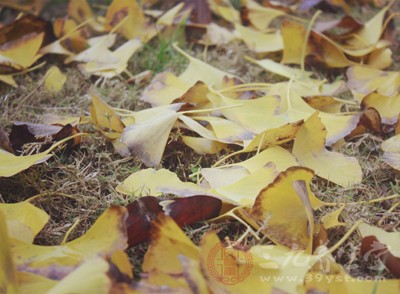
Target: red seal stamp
{"type": "Point", "coordinates": [229, 266]}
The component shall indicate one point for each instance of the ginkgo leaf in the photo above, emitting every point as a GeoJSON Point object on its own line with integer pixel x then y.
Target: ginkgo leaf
{"type": "Point", "coordinates": [244, 191]}
{"type": "Point", "coordinates": [309, 148]}
{"type": "Point", "coordinates": [198, 70]}
{"type": "Point", "coordinates": [327, 104]}
{"type": "Point", "coordinates": [281, 69]}
{"type": "Point", "coordinates": [24, 221]}
{"type": "Point", "coordinates": [164, 88]}
{"type": "Point", "coordinates": [147, 140]}
{"type": "Point", "coordinates": [225, 130]}
{"type": "Point", "coordinates": [331, 220]}
{"type": "Point", "coordinates": [370, 34]}
{"type": "Point", "coordinates": [156, 182]}
{"type": "Point", "coordinates": [283, 214]}
{"type": "Point", "coordinates": [107, 235]}
{"type": "Point", "coordinates": [105, 119]}
{"type": "Point", "coordinates": [367, 80]}
{"type": "Point", "coordinates": [8, 280]}
{"type": "Point", "coordinates": [54, 79]}
{"type": "Point", "coordinates": [274, 263]}
{"type": "Point", "coordinates": [8, 79]}
{"type": "Point", "coordinates": [242, 182]}
{"type": "Point", "coordinates": [225, 10]}
{"type": "Point", "coordinates": [391, 148]}
{"type": "Point", "coordinates": [90, 276]}
{"type": "Point", "coordinates": [261, 17]}
{"type": "Point", "coordinates": [128, 12]}
{"type": "Point", "coordinates": [388, 107]}
{"type": "Point", "coordinates": [318, 45]}
{"type": "Point", "coordinates": [203, 145]}
{"type": "Point", "coordinates": [22, 53]}
{"type": "Point", "coordinates": [109, 70]}
{"type": "Point", "coordinates": [390, 239]}
{"type": "Point", "coordinates": [81, 12]}
{"type": "Point", "coordinates": [381, 245]}
{"type": "Point", "coordinates": [173, 15]}
{"type": "Point", "coordinates": [217, 35]}
{"type": "Point", "coordinates": [167, 236]}
{"type": "Point", "coordinates": [228, 270]}
{"type": "Point", "coordinates": [98, 52]}
{"type": "Point", "coordinates": [11, 164]}
{"type": "Point", "coordinates": [260, 42]}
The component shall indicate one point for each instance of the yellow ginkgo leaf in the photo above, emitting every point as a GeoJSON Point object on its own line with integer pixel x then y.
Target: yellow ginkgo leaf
{"type": "Point", "coordinates": [318, 45]}
{"type": "Point", "coordinates": [281, 69]}
{"type": "Point", "coordinates": [130, 14]}
{"type": "Point", "coordinates": [90, 277]}
{"type": "Point", "coordinates": [242, 182]}
{"type": "Point", "coordinates": [174, 14]}
{"type": "Point", "coordinates": [115, 67]}
{"type": "Point", "coordinates": [8, 280]}
{"type": "Point", "coordinates": [225, 9]}
{"type": "Point", "coordinates": [156, 182]}
{"type": "Point", "coordinates": [81, 12]}
{"type": "Point", "coordinates": [105, 119]}
{"type": "Point", "coordinates": [327, 104]}
{"type": "Point", "coordinates": [24, 221]}
{"type": "Point", "coordinates": [367, 80]}
{"type": "Point", "coordinates": [217, 35]}
{"type": "Point", "coordinates": [167, 270]}
{"type": "Point", "coordinates": [260, 16]}
{"type": "Point", "coordinates": [54, 79]}
{"type": "Point", "coordinates": [163, 89]}
{"type": "Point", "coordinates": [32, 283]}
{"type": "Point", "coordinates": [225, 130]}
{"type": "Point", "coordinates": [11, 164]}
{"type": "Point", "coordinates": [331, 220]}
{"type": "Point", "coordinates": [8, 79]}
{"type": "Point", "coordinates": [390, 239]}
{"type": "Point", "coordinates": [203, 145]}
{"type": "Point", "coordinates": [388, 107]}
{"type": "Point", "coordinates": [309, 148]}
{"type": "Point", "coordinates": [147, 140]}
{"type": "Point", "coordinates": [369, 35]}
{"type": "Point", "coordinates": [198, 70]}
{"type": "Point", "coordinates": [107, 235]}
{"type": "Point", "coordinates": [391, 148]}
{"type": "Point", "coordinates": [23, 52]}
{"type": "Point", "coordinates": [283, 210]}
{"type": "Point", "coordinates": [260, 42]}
{"type": "Point", "coordinates": [245, 190]}
{"type": "Point", "coordinates": [228, 270]}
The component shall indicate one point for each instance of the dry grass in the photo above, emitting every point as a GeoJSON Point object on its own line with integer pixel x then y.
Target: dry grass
{"type": "Point", "coordinates": [80, 184]}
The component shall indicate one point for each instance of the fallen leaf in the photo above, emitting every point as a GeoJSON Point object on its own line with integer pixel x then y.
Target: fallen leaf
{"type": "Point", "coordinates": [11, 164]}
{"type": "Point", "coordinates": [379, 244]}
{"type": "Point", "coordinates": [54, 79]}
{"type": "Point", "coordinates": [8, 280]}
{"type": "Point", "coordinates": [391, 148]}
{"type": "Point", "coordinates": [107, 235]}
{"type": "Point", "coordinates": [157, 182]}
{"type": "Point", "coordinates": [24, 221]}
{"type": "Point", "coordinates": [309, 149]}
{"type": "Point", "coordinates": [282, 214]}
{"type": "Point", "coordinates": [105, 119]}
{"type": "Point", "coordinates": [367, 80]}
{"type": "Point", "coordinates": [388, 107]}
{"type": "Point", "coordinates": [128, 16]}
